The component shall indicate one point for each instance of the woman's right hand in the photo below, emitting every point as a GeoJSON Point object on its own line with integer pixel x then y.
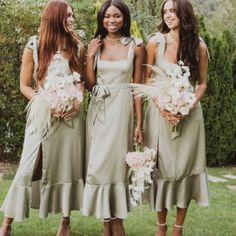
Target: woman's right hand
{"type": "Point", "coordinates": [93, 47]}
{"type": "Point", "coordinates": [173, 119]}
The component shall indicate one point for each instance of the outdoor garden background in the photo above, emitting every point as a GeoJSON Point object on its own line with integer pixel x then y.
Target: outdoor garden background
{"type": "Point", "coordinates": [19, 19]}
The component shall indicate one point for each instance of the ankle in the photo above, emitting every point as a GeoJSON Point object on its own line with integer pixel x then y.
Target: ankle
{"type": "Point", "coordinates": [162, 226]}
{"type": "Point", "coordinates": [178, 227]}
{"type": "Point", "coordinates": [162, 229]}
{"type": "Point", "coordinates": [177, 230]}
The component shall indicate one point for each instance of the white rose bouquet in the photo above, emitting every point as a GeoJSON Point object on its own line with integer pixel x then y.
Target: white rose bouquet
{"type": "Point", "coordinates": [172, 90]}
{"type": "Point", "coordinates": [57, 95]}
{"type": "Point", "coordinates": [141, 163]}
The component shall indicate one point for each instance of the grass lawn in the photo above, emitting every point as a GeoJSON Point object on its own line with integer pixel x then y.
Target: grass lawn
{"type": "Point", "coordinates": [216, 220]}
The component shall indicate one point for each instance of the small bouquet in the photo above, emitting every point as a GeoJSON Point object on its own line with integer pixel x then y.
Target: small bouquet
{"type": "Point", "coordinates": [172, 90]}
{"type": "Point", "coordinates": [60, 92]}
{"type": "Point", "coordinates": [58, 95]}
{"type": "Point", "coordinates": [141, 163]}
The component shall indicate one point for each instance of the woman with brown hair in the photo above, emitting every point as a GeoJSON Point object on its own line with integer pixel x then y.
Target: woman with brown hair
{"type": "Point", "coordinates": [50, 174]}
{"type": "Point", "coordinates": [181, 163]}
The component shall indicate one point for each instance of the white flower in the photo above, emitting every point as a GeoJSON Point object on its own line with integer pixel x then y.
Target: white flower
{"type": "Point", "coordinates": [141, 166]}
{"type": "Point", "coordinates": [77, 76]}
{"type": "Point", "coordinates": [81, 33]}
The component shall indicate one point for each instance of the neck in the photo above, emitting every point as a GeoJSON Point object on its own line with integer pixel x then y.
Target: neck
{"type": "Point", "coordinates": [114, 37]}
{"type": "Point", "coordinates": [174, 35]}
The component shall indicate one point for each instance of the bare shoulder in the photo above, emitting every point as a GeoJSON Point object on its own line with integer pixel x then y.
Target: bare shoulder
{"type": "Point", "coordinates": [28, 54]}
{"type": "Point", "coordinates": [140, 50]}
{"type": "Point", "coordinates": [202, 49]}
{"type": "Point", "coordinates": [153, 42]}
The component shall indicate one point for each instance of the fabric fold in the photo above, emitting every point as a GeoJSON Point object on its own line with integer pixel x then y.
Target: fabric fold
{"type": "Point", "coordinates": [106, 201]}
{"type": "Point", "coordinates": [168, 193]}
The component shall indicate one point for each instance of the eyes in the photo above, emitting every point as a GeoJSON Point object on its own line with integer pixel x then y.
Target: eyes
{"type": "Point", "coordinates": [172, 10]}
{"type": "Point", "coordinates": [70, 15]}
{"type": "Point", "coordinates": [116, 16]}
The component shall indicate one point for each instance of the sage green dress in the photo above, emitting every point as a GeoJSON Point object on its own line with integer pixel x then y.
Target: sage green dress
{"type": "Point", "coordinates": [109, 134]}
{"type": "Point", "coordinates": [50, 174]}
{"type": "Point", "coordinates": [181, 163]}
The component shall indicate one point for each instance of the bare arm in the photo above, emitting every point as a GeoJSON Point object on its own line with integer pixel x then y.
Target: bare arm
{"type": "Point", "coordinates": [151, 48]}
{"type": "Point", "coordinates": [90, 72]}
{"type": "Point", "coordinates": [138, 76]}
{"type": "Point", "coordinates": [26, 74]}
{"type": "Point", "coordinates": [203, 65]}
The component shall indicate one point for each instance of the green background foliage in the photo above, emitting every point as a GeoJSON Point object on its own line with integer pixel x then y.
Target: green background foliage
{"type": "Point", "coordinates": [20, 19]}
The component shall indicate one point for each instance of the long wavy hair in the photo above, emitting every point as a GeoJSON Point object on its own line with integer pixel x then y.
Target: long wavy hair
{"type": "Point", "coordinates": [53, 34]}
{"type": "Point", "coordinates": [188, 34]}
{"type": "Point", "coordinates": [125, 30]}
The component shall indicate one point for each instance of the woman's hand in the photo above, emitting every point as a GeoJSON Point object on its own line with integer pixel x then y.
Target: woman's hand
{"type": "Point", "coordinates": [138, 135]}
{"type": "Point", "coordinates": [173, 119]}
{"type": "Point", "coordinates": [72, 112]}
{"type": "Point", "coordinates": [93, 47]}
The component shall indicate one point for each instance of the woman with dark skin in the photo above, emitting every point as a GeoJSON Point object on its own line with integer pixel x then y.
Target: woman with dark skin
{"type": "Point", "coordinates": [114, 60]}
{"type": "Point", "coordinates": [181, 163]}
{"type": "Point", "coordinates": [50, 175]}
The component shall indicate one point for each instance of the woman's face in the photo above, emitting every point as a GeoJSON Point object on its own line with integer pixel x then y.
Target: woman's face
{"type": "Point", "coordinates": [113, 20]}
{"type": "Point", "coordinates": [170, 17]}
{"type": "Point", "coordinates": [70, 20]}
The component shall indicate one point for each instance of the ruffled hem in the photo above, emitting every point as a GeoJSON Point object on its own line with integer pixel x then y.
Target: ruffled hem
{"type": "Point", "coordinates": [166, 193]}
{"type": "Point", "coordinates": [106, 201]}
{"type": "Point", "coordinates": [48, 199]}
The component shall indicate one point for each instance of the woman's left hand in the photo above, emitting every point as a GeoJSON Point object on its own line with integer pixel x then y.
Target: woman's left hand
{"type": "Point", "coordinates": [138, 135]}
{"type": "Point", "coordinates": [72, 112]}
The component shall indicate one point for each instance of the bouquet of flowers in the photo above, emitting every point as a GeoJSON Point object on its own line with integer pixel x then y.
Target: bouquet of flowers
{"type": "Point", "coordinates": [172, 90]}
{"type": "Point", "coordinates": [60, 92]}
{"type": "Point", "coordinates": [58, 95]}
{"type": "Point", "coordinates": [141, 163]}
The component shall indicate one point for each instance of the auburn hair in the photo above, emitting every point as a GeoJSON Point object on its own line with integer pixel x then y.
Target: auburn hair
{"type": "Point", "coordinates": [54, 34]}
{"type": "Point", "coordinates": [188, 34]}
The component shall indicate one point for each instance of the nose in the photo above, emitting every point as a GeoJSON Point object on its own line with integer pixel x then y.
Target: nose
{"type": "Point", "coordinates": [112, 19]}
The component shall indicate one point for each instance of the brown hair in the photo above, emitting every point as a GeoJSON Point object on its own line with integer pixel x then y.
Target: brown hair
{"type": "Point", "coordinates": [53, 33]}
{"type": "Point", "coordinates": [188, 34]}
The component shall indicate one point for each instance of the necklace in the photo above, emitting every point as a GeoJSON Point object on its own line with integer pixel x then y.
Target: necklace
{"type": "Point", "coordinates": [114, 40]}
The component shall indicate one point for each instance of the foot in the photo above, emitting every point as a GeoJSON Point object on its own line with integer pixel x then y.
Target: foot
{"type": "Point", "coordinates": [107, 228]}
{"type": "Point", "coordinates": [5, 230]}
{"type": "Point", "coordinates": [161, 230]}
{"type": "Point", "coordinates": [64, 229]}
{"type": "Point", "coordinates": [117, 227]}
{"type": "Point", "coordinates": [177, 230]}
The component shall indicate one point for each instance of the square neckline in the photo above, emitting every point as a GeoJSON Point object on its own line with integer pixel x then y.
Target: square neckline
{"type": "Point", "coordinates": [120, 60]}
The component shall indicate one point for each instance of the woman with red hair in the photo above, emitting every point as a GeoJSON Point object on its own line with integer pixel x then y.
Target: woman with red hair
{"type": "Point", "coordinates": [50, 174]}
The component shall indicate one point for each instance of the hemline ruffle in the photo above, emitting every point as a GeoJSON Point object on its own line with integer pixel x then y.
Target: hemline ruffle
{"type": "Point", "coordinates": [47, 198]}
{"type": "Point", "coordinates": [106, 201]}
{"type": "Point", "coordinates": [166, 194]}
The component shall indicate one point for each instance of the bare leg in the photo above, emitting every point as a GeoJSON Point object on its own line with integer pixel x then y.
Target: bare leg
{"type": "Point", "coordinates": [107, 227]}
{"type": "Point", "coordinates": [161, 222]}
{"type": "Point", "coordinates": [117, 227]}
{"type": "Point", "coordinates": [64, 228]}
{"type": "Point", "coordinates": [5, 230]}
{"type": "Point", "coordinates": [180, 217]}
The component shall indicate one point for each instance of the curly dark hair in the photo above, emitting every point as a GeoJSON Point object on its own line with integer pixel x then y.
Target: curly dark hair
{"type": "Point", "coordinates": [188, 34]}
{"type": "Point", "coordinates": [125, 30]}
